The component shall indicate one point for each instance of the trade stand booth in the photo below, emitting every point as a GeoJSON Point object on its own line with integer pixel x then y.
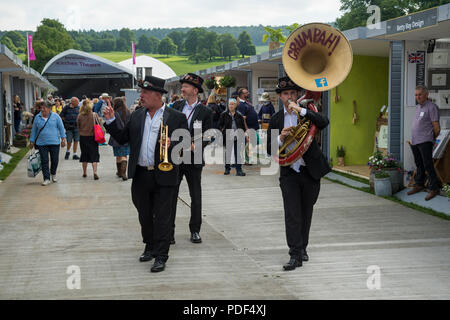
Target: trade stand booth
{"type": "Point", "coordinates": [17, 79]}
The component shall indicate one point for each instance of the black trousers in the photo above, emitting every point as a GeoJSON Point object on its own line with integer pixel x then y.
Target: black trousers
{"type": "Point", "coordinates": [300, 192]}
{"type": "Point", "coordinates": [194, 180]}
{"type": "Point", "coordinates": [53, 150]}
{"type": "Point", "coordinates": [153, 203]}
{"type": "Point", "coordinates": [423, 157]}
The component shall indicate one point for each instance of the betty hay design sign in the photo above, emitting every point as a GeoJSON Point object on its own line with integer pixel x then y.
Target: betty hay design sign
{"type": "Point", "coordinates": [414, 21]}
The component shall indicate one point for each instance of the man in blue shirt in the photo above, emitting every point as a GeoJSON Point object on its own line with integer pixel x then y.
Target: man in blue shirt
{"type": "Point", "coordinates": [69, 117]}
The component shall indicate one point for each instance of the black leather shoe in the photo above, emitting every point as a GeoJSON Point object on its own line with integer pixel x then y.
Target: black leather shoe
{"type": "Point", "coordinates": [146, 256]}
{"type": "Point", "coordinates": [240, 173]}
{"type": "Point", "coordinates": [227, 172]}
{"type": "Point", "coordinates": [158, 266]}
{"type": "Point", "coordinates": [195, 238]}
{"type": "Point", "coordinates": [292, 264]}
{"type": "Point", "coordinates": [305, 255]}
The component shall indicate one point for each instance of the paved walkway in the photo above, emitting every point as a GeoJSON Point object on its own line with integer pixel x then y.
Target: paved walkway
{"type": "Point", "coordinates": [93, 225]}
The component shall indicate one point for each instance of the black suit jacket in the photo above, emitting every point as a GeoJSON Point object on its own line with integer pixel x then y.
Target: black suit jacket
{"type": "Point", "coordinates": [132, 133]}
{"type": "Point", "coordinates": [316, 163]}
{"type": "Point", "coordinates": [203, 114]}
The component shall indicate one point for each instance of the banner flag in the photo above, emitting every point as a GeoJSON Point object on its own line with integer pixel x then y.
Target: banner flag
{"type": "Point", "coordinates": [31, 55]}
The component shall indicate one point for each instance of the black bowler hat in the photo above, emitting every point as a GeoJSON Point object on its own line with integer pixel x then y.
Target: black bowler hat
{"type": "Point", "coordinates": [152, 83]}
{"type": "Point", "coordinates": [286, 83]}
{"type": "Point", "coordinates": [194, 80]}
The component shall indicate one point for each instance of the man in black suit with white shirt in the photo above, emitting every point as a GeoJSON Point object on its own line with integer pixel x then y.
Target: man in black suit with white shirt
{"type": "Point", "coordinates": [152, 190]}
{"type": "Point", "coordinates": [299, 182]}
{"type": "Point", "coordinates": [199, 119]}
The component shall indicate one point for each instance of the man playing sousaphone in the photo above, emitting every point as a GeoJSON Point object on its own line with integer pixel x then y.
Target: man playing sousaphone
{"type": "Point", "coordinates": [299, 182]}
{"type": "Point", "coordinates": [152, 189]}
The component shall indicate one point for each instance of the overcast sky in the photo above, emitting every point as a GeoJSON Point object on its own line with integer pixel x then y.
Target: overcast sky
{"type": "Point", "coordinates": [135, 14]}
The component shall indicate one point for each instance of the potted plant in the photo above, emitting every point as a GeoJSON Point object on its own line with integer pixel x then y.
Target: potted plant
{"type": "Point", "coordinates": [20, 140]}
{"type": "Point", "coordinates": [382, 183]}
{"type": "Point", "coordinates": [211, 83]}
{"type": "Point", "coordinates": [395, 171]}
{"type": "Point", "coordinates": [375, 163]}
{"type": "Point", "coordinates": [276, 37]}
{"type": "Point", "coordinates": [340, 154]}
{"type": "Point", "coordinates": [227, 81]}
{"type": "Point", "coordinates": [446, 189]}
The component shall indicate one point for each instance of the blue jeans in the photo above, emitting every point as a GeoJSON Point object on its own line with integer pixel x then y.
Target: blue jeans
{"type": "Point", "coordinates": [54, 158]}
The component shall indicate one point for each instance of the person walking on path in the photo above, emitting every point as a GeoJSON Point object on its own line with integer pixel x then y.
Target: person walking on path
{"type": "Point", "coordinates": [299, 182]}
{"type": "Point", "coordinates": [152, 189]}
{"type": "Point", "coordinates": [69, 116]}
{"type": "Point", "coordinates": [425, 130]}
{"type": "Point", "coordinates": [46, 135]}
{"type": "Point", "coordinates": [121, 152]}
{"type": "Point", "coordinates": [199, 119]}
{"type": "Point", "coordinates": [89, 147]}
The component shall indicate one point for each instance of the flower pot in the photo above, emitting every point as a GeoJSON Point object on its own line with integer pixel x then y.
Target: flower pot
{"type": "Point", "coordinates": [383, 186]}
{"type": "Point", "coordinates": [341, 161]}
{"type": "Point", "coordinates": [396, 178]}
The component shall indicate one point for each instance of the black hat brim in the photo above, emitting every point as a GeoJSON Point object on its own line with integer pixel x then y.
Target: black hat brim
{"type": "Point", "coordinates": [279, 90]}
{"type": "Point", "coordinates": [162, 90]}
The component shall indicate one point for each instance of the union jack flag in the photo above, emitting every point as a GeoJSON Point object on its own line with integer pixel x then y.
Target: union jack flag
{"type": "Point", "coordinates": [416, 57]}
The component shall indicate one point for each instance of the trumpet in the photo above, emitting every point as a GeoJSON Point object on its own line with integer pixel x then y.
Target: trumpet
{"type": "Point", "coordinates": [165, 165]}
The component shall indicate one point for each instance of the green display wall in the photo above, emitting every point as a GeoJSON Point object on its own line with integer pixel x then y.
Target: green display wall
{"type": "Point", "coordinates": [367, 84]}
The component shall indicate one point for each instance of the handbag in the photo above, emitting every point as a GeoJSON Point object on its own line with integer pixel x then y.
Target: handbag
{"type": "Point", "coordinates": [34, 163]}
{"type": "Point", "coordinates": [98, 132]}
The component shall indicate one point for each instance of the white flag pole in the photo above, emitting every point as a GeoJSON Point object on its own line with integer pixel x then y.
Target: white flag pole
{"type": "Point", "coordinates": [28, 52]}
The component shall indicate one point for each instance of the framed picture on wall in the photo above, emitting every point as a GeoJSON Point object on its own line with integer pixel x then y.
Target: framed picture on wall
{"type": "Point", "coordinates": [439, 79]}
{"type": "Point", "coordinates": [268, 84]}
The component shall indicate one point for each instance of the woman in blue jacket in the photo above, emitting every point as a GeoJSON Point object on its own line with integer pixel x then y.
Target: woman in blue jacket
{"type": "Point", "coordinates": [47, 134]}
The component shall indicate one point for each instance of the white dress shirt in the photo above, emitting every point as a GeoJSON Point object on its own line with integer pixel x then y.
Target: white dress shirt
{"type": "Point", "coordinates": [149, 137]}
{"type": "Point", "coordinates": [291, 119]}
{"type": "Point", "coordinates": [188, 110]}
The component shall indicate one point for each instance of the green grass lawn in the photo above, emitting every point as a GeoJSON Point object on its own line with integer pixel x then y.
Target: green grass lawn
{"type": "Point", "coordinates": [179, 64]}
{"type": "Point", "coordinates": [9, 167]}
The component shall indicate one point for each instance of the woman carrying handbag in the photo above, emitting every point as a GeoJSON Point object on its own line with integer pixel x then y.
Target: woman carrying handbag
{"type": "Point", "coordinates": [47, 134]}
{"type": "Point", "coordinates": [89, 147]}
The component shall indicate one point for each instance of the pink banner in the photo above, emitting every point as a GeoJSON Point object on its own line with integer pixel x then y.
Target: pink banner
{"type": "Point", "coordinates": [31, 55]}
{"type": "Point", "coordinates": [134, 52]}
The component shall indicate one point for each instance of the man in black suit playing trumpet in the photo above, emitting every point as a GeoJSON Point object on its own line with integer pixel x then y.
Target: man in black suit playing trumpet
{"type": "Point", "coordinates": [299, 182]}
{"type": "Point", "coordinates": [152, 189]}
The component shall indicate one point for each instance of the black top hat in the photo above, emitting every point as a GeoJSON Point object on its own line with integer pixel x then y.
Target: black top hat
{"type": "Point", "coordinates": [194, 80]}
{"type": "Point", "coordinates": [152, 83]}
{"type": "Point", "coordinates": [286, 83]}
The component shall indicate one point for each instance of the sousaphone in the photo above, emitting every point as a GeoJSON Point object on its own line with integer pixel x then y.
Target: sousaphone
{"type": "Point", "coordinates": [318, 58]}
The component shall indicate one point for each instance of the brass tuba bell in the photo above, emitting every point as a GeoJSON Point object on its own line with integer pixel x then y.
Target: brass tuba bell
{"type": "Point", "coordinates": [316, 57]}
